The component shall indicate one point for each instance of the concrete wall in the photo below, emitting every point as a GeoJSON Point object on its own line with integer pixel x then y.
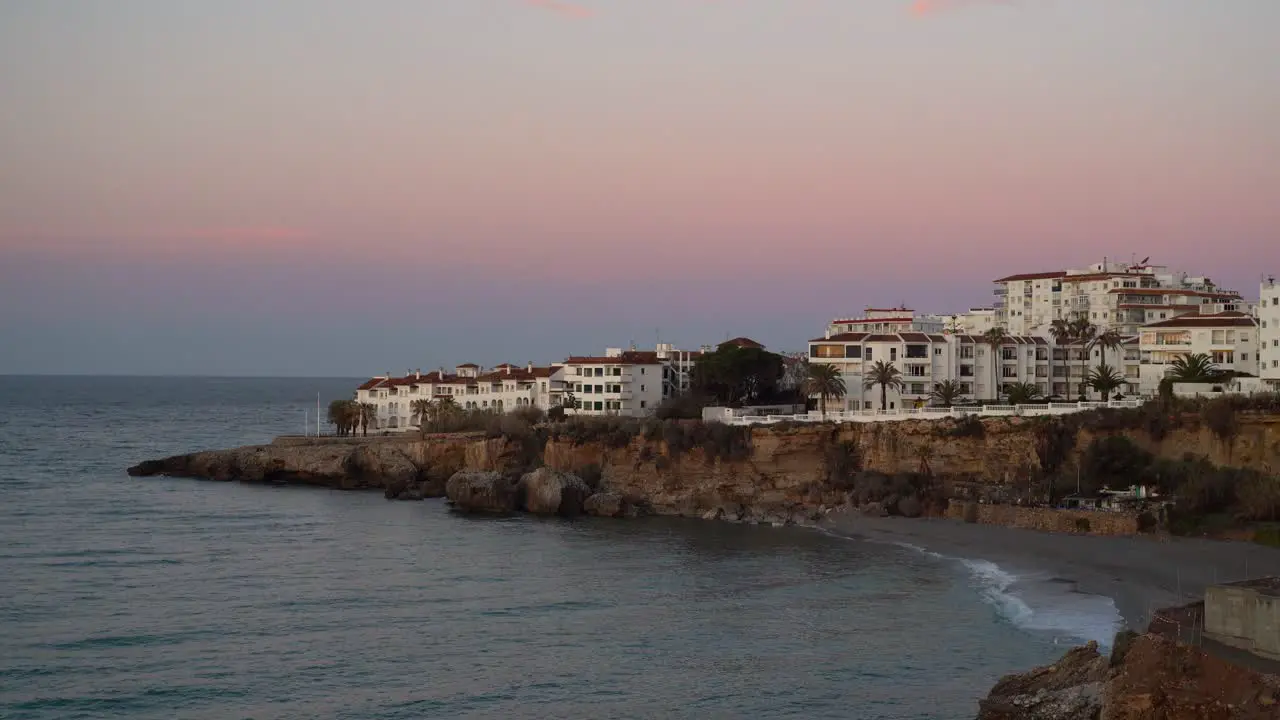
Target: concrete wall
{"type": "Point", "coordinates": [1243, 617]}
{"type": "Point", "coordinates": [1045, 519]}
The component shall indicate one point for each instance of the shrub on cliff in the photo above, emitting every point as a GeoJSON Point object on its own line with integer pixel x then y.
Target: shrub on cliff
{"type": "Point", "coordinates": [1219, 415]}
{"type": "Point", "coordinates": [967, 426]}
{"type": "Point", "coordinates": [1258, 497]}
{"type": "Point", "coordinates": [841, 462]}
{"type": "Point", "coordinates": [1112, 461]}
{"type": "Point", "coordinates": [530, 414]}
{"type": "Point", "coordinates": [681, 407]}
{"type": "Point", "coordinates": [727, 443]}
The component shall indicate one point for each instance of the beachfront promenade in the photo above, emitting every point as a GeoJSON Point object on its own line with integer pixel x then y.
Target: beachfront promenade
{"type": "Point", "coordinates": [746, 416]}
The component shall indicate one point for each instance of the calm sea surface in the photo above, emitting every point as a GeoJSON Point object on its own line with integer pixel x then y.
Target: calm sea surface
{"type": "Point", "coordinates": [155, 598]}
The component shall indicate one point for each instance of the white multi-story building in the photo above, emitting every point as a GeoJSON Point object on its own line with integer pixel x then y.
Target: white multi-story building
{"type": "Point", "coordinates": [1268, 314]}
{"type": "Point", "coordinates": [891, 320]}
{"type": "Point", "coordinates": [629, 383]}
{"type": "Point", "coordinates": [1230, 339]}
{"type": "Point", "coordinates": [1111, 295]}
{"type": "Point", "coordinates": [503, 388]}
{"type": "Point", "coordinates": [925, 359]}
{"type": "Point", "coordinates": [974, 322]}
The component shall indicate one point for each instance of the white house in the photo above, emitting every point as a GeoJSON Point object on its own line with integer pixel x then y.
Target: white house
{"type": "Point", "coordinates": [925, 359]}
{"type": "Point", "coordinates": [1230, 339]}
{"type": "Point", "coordinates": [1111, 295]}
{"type": "Point", "coordinates": [629, 383]}
{"type": "Point", "coordinates": [1268, 314]}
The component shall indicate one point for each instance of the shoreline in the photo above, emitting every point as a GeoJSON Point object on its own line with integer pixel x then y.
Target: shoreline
{"type": "Point", "coordinates": [1140, 575]}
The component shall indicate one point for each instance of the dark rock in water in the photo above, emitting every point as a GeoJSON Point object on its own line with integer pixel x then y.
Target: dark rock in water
{"type": "Point", "coordinates": [481, 492]}
{"type": "Point", "coordinates": [549, 492]}
{"type": "Point", "coordinates": [605, 504]}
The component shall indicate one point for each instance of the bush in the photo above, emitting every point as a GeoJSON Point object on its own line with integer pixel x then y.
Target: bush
{"type": "Point", "coordinates": [530, 414]}
{"type": "Point", "coordinates": [1269, 536]}
{"type": "Point", "coordinates": [681, 407]}
{"type": "Point", "coordinates": [1147, 522]}
{"type": "Point", "coordinates": [1219, 415]}
{"type": "Point", "coordinates": [967, 426]}
{"type": "Point", "coordinates": [1083, 525]}
{"type": "Point", "coordinates": [461, 421]}
{"type": "Point", "coordinates": [727, 443]}
{"type": "Point", "coordinates": [556, 414]}
{"type": "Point", "coordinates": [841, 461]}
{"type": "Point", "coordinates": [1258, 497]}
{"type": "Point", "coordinates": [1113, 461]}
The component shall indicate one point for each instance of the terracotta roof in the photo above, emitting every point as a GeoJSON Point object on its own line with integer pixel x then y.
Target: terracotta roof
{"type": "Point", "coordinates": [743, 342]}
{"type": "Point", "coordinates": [914, 337]}
{"type": "Point", "coordinates": [841, 337]}
{"type": "Point", "coordinates": [1033, 276]}
{"type": "Point", "coordinates": [1227, 319]}
{"type": "Point", "coordinates": [468, 365]}
{"type": "Point", "coordinates": [883, 338]}
{"type": "Point", "coordinates": [631, 357]}
{"type": "Point", "coordinates": [371, 383]}
{"type": "Point", "coordinates": [1174, 291]}
{"type": "Point", "coordinates": [938, 338]}
{"type": "Point", "coordinates": [856, 321]}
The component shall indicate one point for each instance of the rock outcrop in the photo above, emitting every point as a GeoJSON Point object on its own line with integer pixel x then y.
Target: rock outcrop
{"type": "Point", "coordinates": [481, 492]}
{"type": "Point", "coordinates": [1147, 677]}
{"type": "Point", "coordinates": [605, 504]}
{"type": "Point", "coordinates": [550, 492]}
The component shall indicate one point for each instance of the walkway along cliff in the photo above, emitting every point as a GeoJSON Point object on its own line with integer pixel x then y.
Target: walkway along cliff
{"type": "Point", "coordinates": [772, 474]}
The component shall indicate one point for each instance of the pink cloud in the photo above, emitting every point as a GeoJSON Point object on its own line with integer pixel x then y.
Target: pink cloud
{"type": "Point", "coordinates": [561, 7]}
{"type": "Point", "coordinates": [924, 8]}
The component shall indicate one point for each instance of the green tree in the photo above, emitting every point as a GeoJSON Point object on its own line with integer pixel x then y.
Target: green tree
{"type": "Point", "coordinates": [995, 338]}
{"type": "Point", "coordinates": [1022, 393]}
{"type": "Point", "coordinates": [421, 408]}
{"type": "Point", "coordinates": [824, 381]}
{"type": "Point", "coordinates": [1083, 333]}
{"type": "Point", "coordinates": [886, 376]}
{"type": "Point", "coordinates": [734, 375]}
{"type": "Point", "coordinates": [1105, 380]}
{"type": "Point", "coordinates": [1193, 368]}
{"type": "Point", "coordinates": [946, 392]}
{"type": "Point", "coordinates": [365, 414]}
{"type": "Point", "coordinates": [1060, 331]}
{"type": "Point", "coordinates": [340, 417]}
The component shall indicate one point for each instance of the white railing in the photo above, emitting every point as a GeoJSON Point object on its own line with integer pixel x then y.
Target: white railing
{"type": "Point", "coordinates": [932, 413]}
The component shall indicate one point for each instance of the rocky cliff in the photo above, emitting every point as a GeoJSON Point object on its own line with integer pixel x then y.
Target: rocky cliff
{"type": "Point", "coordinates": [773, 474]}
{"type": "Point", "coordinates": [1147, 677]}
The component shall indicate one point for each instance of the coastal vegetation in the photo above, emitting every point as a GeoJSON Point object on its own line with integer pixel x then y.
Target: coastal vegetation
{"type": "Point", "coordinates": [825, 381]}
{"type": "Point", "coordinates": [885, 376]}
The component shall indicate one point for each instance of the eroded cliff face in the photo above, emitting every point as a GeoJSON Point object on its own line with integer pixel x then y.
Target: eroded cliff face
{"type": "Point", "coordinates": [781, 474]}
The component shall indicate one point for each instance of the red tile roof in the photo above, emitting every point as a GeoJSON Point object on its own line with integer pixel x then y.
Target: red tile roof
{"type": "Point", "coordinates": [883, 338]}
{"type": "Point", "coordinates": [742, 342]}
{"type": "Point", "coordinates": [1033, 276]}
{"type": "Point", "coordinates": [856, 321]}
{"type": "Point", "coordinates": [631, 357]}
{"type": "Point", "coordinates": [841, 337]}
{"type": "Point", "coordinates": [468, 365]}
{"type": "Point", "coordinates": [371, 383]}
{"type": "Point", "coordinates": [1227, 319]}
{"type": "Point", "coordinates": [914, 337]}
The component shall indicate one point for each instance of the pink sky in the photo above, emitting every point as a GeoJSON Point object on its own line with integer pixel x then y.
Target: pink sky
{"type": "Point", "coordinates": [845, 154]}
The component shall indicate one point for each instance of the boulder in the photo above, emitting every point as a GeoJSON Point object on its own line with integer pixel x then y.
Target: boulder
{"type": "Point", "coordinates": [549, 492]}
{"type": "Point", "coordinates": [910, 507]}
{"type": "Point", "coordinates": [481, 492]}
{"type": "Point", "coordinates": [873, 509]}
{"type": "Point", "coordinates": [605, 504]}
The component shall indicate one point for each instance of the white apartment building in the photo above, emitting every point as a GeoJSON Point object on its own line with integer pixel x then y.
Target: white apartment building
{"type": "Point", "coordinates": [1111, 295]}
{"type": "Point", "coordinates": [1268, 314]}
{"type": "Point", "coordinates": [975, 322]}
{"type": "Point", "coordinates": [925, 359]}
{"type": "Point", "coordinates": [1230, 339]}
{"type": "Point", "coordinates": [629, 383]}
{"type": "Point", "coordinates": [890, 320]}
{"type": "Point", "coordinates": [503, 388]}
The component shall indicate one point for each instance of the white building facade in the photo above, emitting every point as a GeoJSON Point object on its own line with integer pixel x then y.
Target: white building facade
{"type": "Point", "coordinates": [501, 389]}
{"type": "Point", "coordinates": [627, 383]}
{"type": "Point", "coordinates": [1111, 295]}
{"type": "Point", "coordinates": [1268, 314]}
{"type": "Point", "coordinates": [1229, 339]}
{"type": "Point", "coordinates": [891, 320]}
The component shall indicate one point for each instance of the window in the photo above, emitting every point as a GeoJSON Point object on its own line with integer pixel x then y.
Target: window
{"type": "Point", "coordinates": [1244, 357]}
{"type": "Point", "coordinates": [600, 389]}
{"type": "Point", "coordinates": [620, 388]}
{"type": "Point", "coordinates": [642, 404]}
{"type": "Point", "coordinates": [937, 351]}
{"type": "Point", "coordinates": [826, 351]}
{"type": "Point", "coordinates": [1009, 353]}
{"type": "Point", "coordinates": [641, 371]}
{"type": "Point", "coordinates": [917, 388]}
{"type": "Point", "coordinates": [966, 371]}
{"type": "Point", "coordinates": [917, 351]}
{"type": "Point", "coordinates": [577, 387]}
{"type": "Point", "coordinates": [966, 352]}
{"type": "Point", "coordinates": [966, 388]}
{"type": "Point", "coordinates": [867, 355]}
{"type": "Point", "coordinates": [893, 354]}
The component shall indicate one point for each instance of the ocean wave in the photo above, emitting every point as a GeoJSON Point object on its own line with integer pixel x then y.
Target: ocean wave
{"type": "Point", "coordinates": [1038, 603]}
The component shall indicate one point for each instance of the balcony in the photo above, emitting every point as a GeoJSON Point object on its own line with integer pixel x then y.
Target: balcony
{"type": "Point", "coordinates": [1001, 291]}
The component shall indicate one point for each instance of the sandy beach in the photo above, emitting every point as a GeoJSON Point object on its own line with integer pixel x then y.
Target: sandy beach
{"type": "Point", "coordinates": [1140, 574]}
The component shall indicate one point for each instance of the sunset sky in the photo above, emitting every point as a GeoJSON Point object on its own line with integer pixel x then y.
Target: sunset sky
{"type": "Point", "coordinates": [325, 187]}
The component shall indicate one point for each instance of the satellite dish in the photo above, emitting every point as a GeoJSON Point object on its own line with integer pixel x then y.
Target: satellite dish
{"type": "Point", "coordinates": [1144, 260]}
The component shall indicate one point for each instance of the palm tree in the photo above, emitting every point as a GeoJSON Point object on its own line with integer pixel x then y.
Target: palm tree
{"type": "Point", "coordinates": [1082, 334]}
{"type": "Point", "coordinates": [1105, 380]}
{"type": "Point", "coordinates": [824, 381]}
{"type": "Point", "coordinates": [1060, 331]}
{"type": "Point", "coordinates": [946, 392]}
{"type": "Point", "coordinates": [886, 376]}
{"type": "Point", "coordinates": [995, 338]}
{"type": "Point", "coordinates": [1193, 368]}
{"type": "Point", "coordinates": [1022, 393]}
{"type": "Point", "coordinates": [339, 416]}
{"type": "Point", "coordinates": [366, 414]}
{"type": "Point", "coordinates": [422, 408]}
{"type": "Point", "coordinates": [1108, 340]}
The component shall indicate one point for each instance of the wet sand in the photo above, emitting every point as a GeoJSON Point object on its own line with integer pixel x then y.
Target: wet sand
{"type": "Point", "coordinates": [1140, 574]}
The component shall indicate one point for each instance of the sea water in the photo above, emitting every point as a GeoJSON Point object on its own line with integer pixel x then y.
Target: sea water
{"type": "Point", "coordinates": [168, 598]}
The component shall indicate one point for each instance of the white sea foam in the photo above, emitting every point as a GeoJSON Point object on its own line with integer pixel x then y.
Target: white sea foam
{"type": "Point", "coordinates": [1041, 604]}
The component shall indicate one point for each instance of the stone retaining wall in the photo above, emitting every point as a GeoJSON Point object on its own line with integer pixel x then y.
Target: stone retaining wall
{"type": "Point", "coordinates": [1045, 519]}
